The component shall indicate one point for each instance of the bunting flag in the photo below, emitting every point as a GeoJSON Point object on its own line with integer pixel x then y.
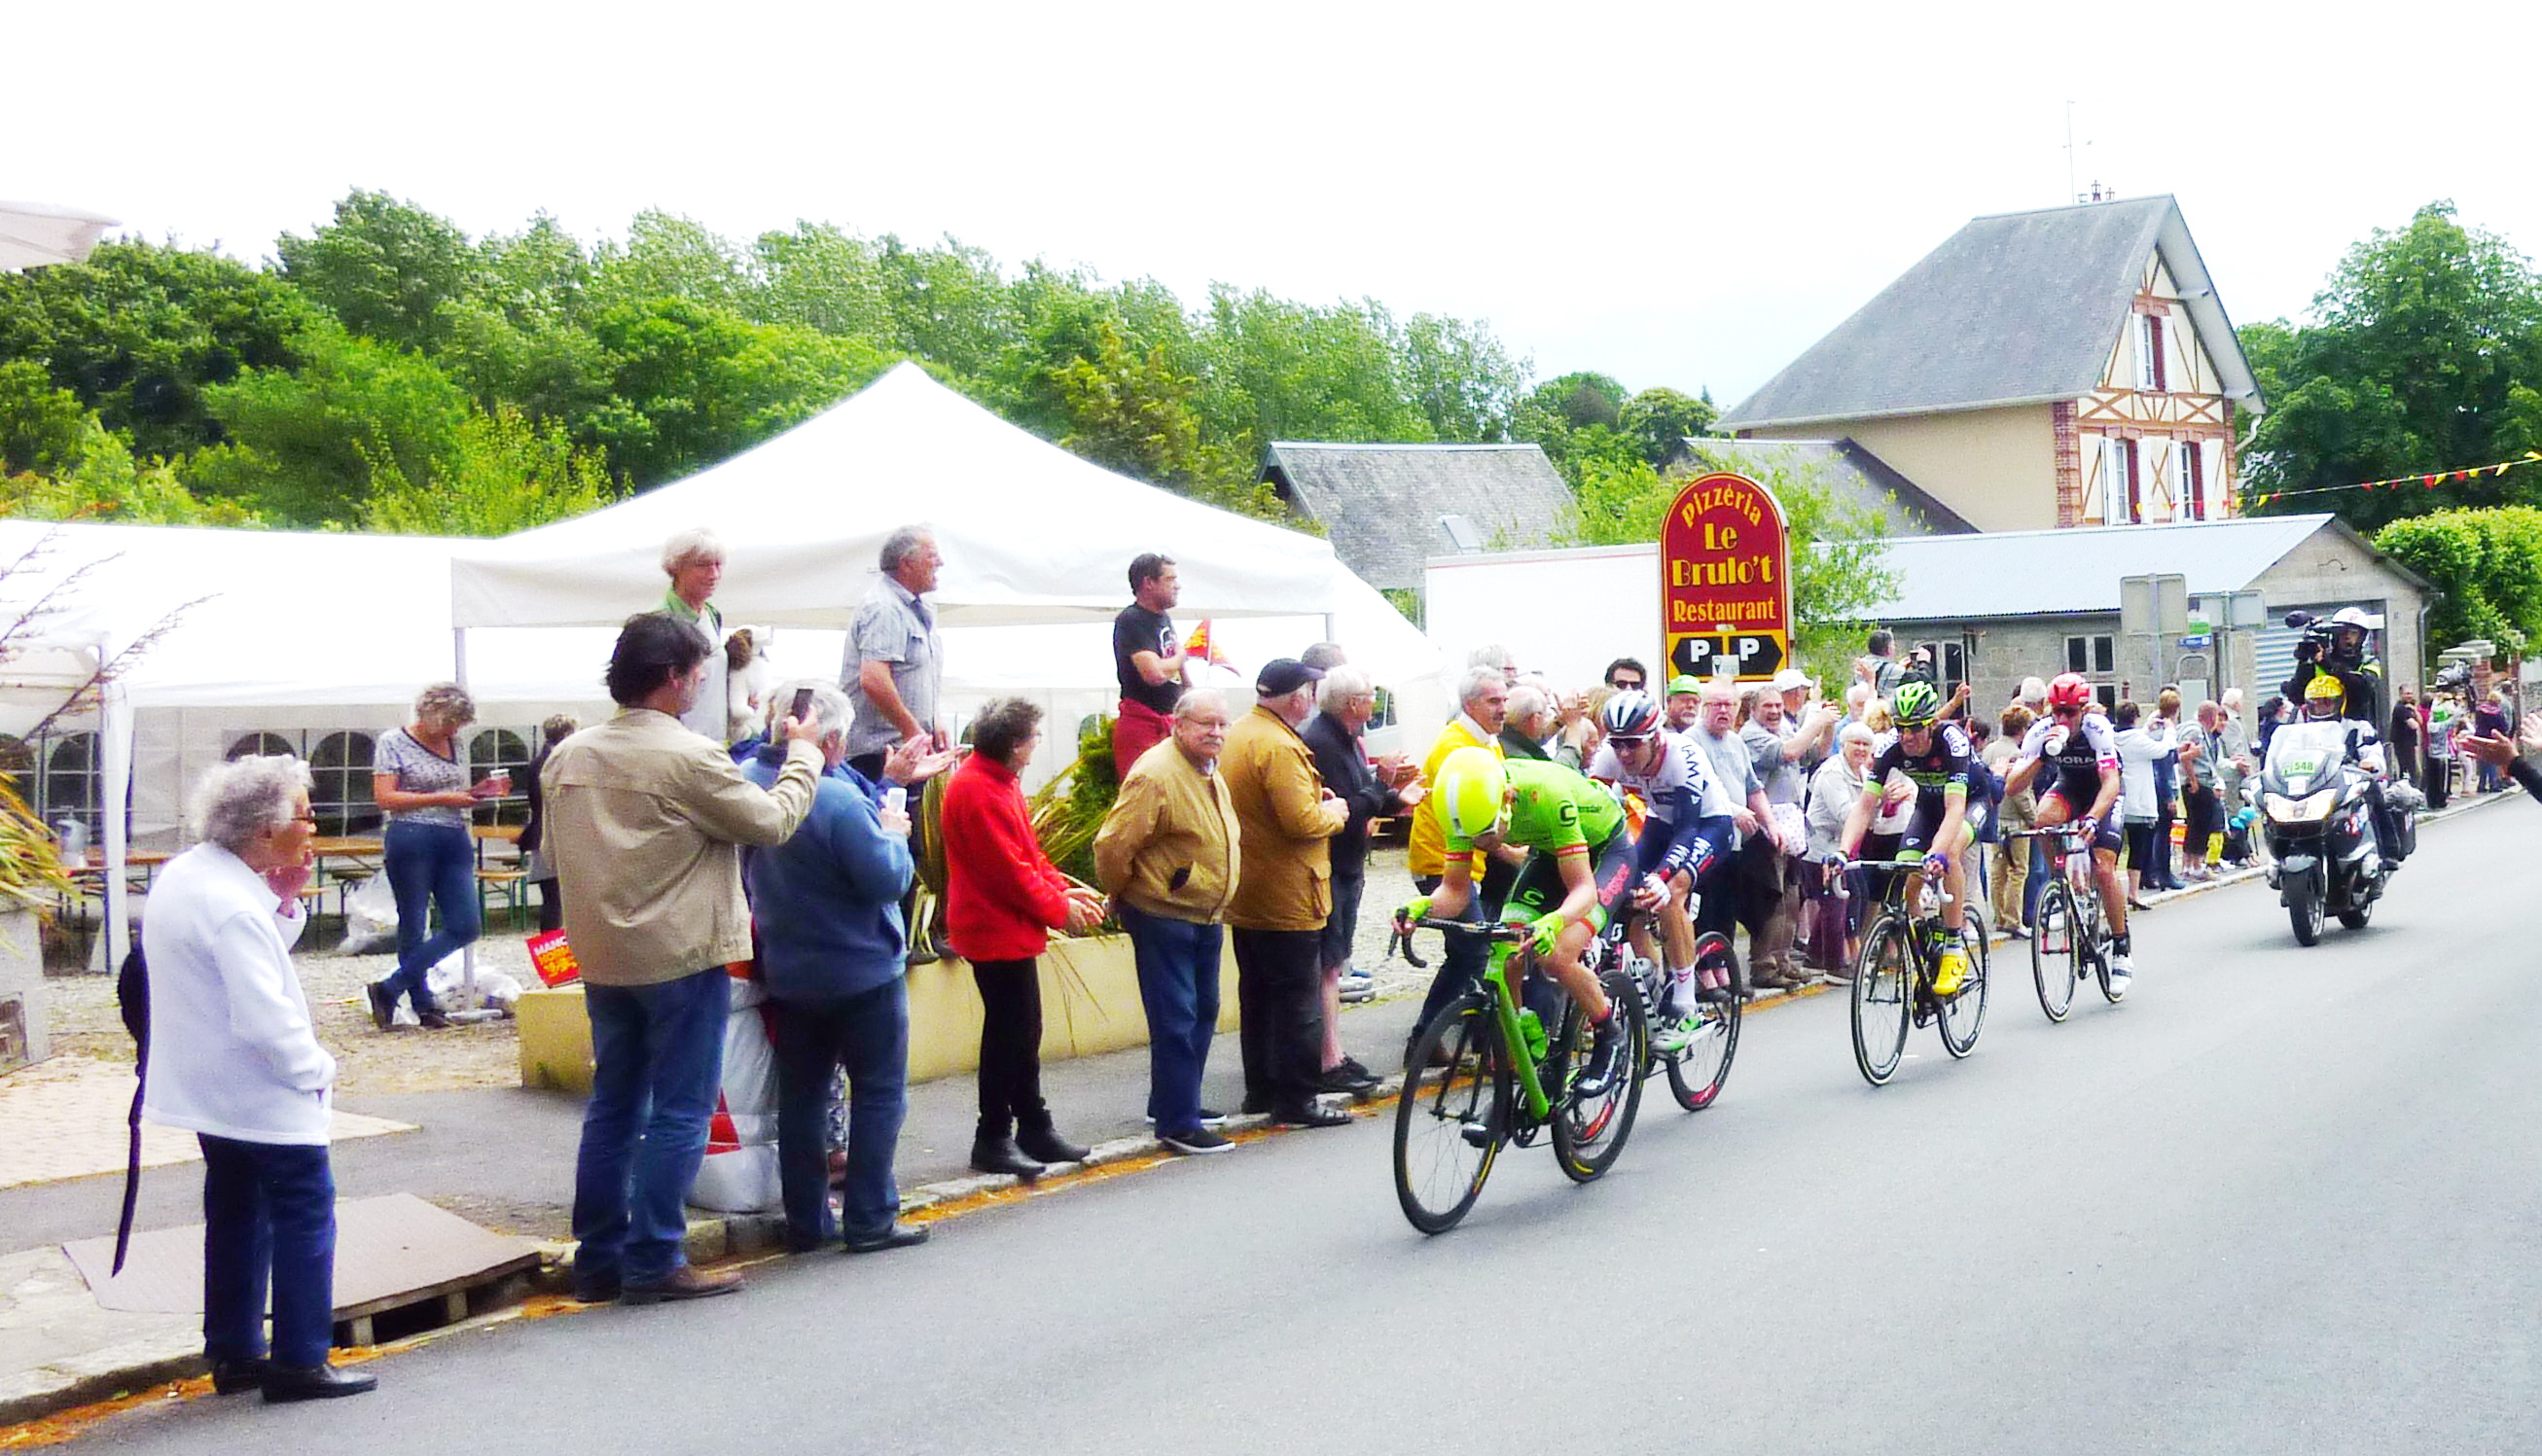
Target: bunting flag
{"type": "Point", "coordinates": [2428, 482]}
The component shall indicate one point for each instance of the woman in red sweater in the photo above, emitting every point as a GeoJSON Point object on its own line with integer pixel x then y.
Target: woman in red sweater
{"type": "Point", "coordinates": [1002, 900]}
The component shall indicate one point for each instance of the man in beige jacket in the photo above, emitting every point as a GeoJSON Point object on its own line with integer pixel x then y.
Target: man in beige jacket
{"type": "Point", "coordinates": [1168, 855]}
{"type": "Point", "coordinates": [645, 821]}
{"type": "Point", "coordinates": [1288, 820]}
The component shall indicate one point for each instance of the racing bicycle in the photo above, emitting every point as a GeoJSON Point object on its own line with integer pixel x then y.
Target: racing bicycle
{"type": "Point", "coordinates": [1893, 979]}
{"type": "Point", "coordinates": [2070, 938]}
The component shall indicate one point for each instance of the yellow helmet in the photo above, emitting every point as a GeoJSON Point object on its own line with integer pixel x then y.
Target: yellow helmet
{"type": "Point", "coordinates": [1468, 796]}
{"type": "Point", "coordinates": [2325, 685]}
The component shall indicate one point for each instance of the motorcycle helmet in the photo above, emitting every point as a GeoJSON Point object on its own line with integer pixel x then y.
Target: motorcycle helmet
{"type": "Point", "coordinates": [1630, 714]}
{"type": "Point", "coordinates": [2070, 691]}
{"type": "Point", "coordinates": [2347, 628]}
{"type": "Point", "coordinates": [1470, 789]}
{"type": "Point", "coordinates": [1914, 705]}
{"type": "Point", "coordinates": [2325, 688]}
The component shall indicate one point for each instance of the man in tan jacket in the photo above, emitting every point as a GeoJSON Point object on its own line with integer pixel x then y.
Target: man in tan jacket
{"type": "Point", "coordinates": [1167, 854]}
{"type": "Point", "coordinates": [645, 821]}
{"type": "Point", "coordinates": [1288, 819]}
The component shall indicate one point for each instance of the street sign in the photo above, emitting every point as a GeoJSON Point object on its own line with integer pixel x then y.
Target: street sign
{"type": "Point", "coordinates": [2197, 642]}
{"type": "Point", "coordinates": [1725, 580]}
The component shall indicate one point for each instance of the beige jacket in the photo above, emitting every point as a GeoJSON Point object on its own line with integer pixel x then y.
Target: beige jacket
{"type": "Point", "coordinates": [1286, 821]}
{"type": "Point", "coordinates": [644, 822]}
{"type": "Point", "coordinates": [1168, 846]}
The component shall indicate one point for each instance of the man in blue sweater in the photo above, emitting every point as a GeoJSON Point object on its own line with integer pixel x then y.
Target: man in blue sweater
{"type": "Point", "coordinates": [833, 952]}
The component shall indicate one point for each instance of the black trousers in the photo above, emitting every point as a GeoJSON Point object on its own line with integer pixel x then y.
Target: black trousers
{"type": "Point", "coordinates": [551, 906]}
{"type": "Point", "coordinates": [1010, 1047]}
{"type": "Point", "coordinates": [1279, 993]}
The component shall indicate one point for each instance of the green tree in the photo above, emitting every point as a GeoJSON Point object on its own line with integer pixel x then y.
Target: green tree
{"type": "Point", "coordinates": [496, 473]}
{"type": "Point", "coordinates": [1277, 370]}
{"type": "Point", "coordinates": [387, 269]}
{"type": "Point", "coordinates": [2418, 342]}
{"type": "Point", "coordinates": [99, 480]}
{"type": "Point", "coordinates": [821, 277]}
{"type": "Point", "coordinates": [949, 306]}
{"type": "Point", "coordinates": [1838, 571]}
{"type": "Point", "coordinates": [666, 255]}
{"type": "Point", "coordinates": [303, 444]}
{"type": "Point", "coordinates": [1659, 420]}
{"type": "Point", "coordinates": [1459, 377]}
{"type": "Point", "coordinates": [2487, 567]}
{"type": "Point", "coordinates": [142, 330]}
{"type": "Point", "coordinates": [1133, 412]}
{"type": "Point", "coordinates": [690, 385]}
{"type": "Point", "coordinates": [42, 428]}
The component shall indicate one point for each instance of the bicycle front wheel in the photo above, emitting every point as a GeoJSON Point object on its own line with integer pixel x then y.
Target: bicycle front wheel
{"type": "Point", "coordinates": [1884, 1000]}
{"type": "Point", "coordinates": [1697, 1074]}
{"type": "Point", "coordinates": [1590, 1131]}
{"type": "Point", "coordinates": [1452, 1116]}
{"type": "Point", "coordinates": [2057, 951]}
{"type": "Point", "coordinates": [1962, 1015]}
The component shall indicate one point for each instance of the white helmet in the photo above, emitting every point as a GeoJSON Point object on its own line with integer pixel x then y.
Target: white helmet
{"type": "Point", "coordinates": [2355, 616]}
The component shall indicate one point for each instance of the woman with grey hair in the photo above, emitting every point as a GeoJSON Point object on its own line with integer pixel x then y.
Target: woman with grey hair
{"type": "Point", "coordinates": [419, 779]}
{"type": "Point", "coordinates": [693, 561]}
{"type": "Point", "coordinates": [234, 1059]}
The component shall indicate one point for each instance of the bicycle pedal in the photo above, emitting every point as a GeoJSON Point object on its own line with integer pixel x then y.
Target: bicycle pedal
{"type": "Point", "coordinates": [1478, 1134]}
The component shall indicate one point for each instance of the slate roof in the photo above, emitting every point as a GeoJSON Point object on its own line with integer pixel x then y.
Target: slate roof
{"type": "Point", "coordinates": [2028, 573]}
{"type": "Point", "coordinates": [1844, 467]}
{"type": "Point", "coordinates": [1380, 504]}
{"type": "Point", "coordinates": [2018, 308]}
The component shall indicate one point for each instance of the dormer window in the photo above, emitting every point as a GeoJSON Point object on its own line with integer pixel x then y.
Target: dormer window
{"type": "Point", "coordinates": [2151, 377]}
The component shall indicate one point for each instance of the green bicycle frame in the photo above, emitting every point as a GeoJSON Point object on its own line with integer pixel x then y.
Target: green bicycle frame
{"type": "Point", "coordinates": [1505, 1006]}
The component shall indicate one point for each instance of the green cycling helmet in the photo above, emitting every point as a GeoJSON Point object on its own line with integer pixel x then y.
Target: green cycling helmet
{"type": "Point", "coordinates": [1914, 705]}
{"type": "Point", "coordinates": [1466, 799]}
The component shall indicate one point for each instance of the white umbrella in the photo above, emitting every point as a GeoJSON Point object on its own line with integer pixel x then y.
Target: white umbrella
{"type": "Point", "coordinates": [34, 233]}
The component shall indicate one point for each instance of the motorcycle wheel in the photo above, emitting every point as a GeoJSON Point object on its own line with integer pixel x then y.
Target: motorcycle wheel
{"type": "Point", "coordinates": [2303, 909]}
{"type": "Point", "coordinates": [2355, 919]}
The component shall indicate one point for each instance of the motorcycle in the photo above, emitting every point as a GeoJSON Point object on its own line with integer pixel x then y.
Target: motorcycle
{"type": "Point", "coordinates": [2313, 801]}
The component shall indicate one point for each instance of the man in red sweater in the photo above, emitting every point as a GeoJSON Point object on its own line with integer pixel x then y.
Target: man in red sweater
{"type": "Point", "coordinates": [1002, 898]}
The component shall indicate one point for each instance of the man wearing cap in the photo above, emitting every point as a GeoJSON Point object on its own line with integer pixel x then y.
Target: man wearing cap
{"type": "Point", "coordinates": [1286, 819]}
{"type": "Point", "coordinates": [1788, 737]}
{"type": "Point", "coordinates": [1684, 701]}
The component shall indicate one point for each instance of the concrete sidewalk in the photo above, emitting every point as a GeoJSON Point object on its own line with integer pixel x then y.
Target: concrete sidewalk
{"type": "Point", "coordinates": [505, 1159]}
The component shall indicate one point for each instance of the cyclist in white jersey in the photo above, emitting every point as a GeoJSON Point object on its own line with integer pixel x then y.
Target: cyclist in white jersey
{"type": "Point", "coordinates": [2076, 747]}
{"type": "Point", "coordinates": [1689, 828]}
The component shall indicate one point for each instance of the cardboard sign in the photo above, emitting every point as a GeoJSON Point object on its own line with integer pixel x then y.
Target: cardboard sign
{"type": "Point", "coordinates": [552, 959]}
{"type": "Point", "coordinates": [1726, 580]}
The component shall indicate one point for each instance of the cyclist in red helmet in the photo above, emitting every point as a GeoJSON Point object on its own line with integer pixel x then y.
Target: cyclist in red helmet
{"type": "Point", "coordinates": [2077, 744]}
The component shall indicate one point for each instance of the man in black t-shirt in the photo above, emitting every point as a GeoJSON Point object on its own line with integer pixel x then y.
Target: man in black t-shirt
{"type": "Point", "coordinates": [1147, 660]}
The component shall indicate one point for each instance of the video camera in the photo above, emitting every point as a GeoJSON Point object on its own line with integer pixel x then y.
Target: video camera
{"type": "Point", "coordinates": [2317, 641]}
{"type": "Point", "coordinates": [2454, 678]}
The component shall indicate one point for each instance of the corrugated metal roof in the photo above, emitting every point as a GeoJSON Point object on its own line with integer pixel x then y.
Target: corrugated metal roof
{"type": "Point", "coordinates": [2030, 574]}
{"type": "Point", "coordinates": [2012, 309]}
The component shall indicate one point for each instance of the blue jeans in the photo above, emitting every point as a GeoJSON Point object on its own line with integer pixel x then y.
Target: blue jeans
{"type": "Point", "coordinates": [869, 1034]}
{"type": "Point", "coordinates": [268, 1212]}
{"type": "Point", "coordinates": [429, 864]}
{"type": "Point", "coordinates": [1178, 985]}
{"type": "Point", "coordinates": [657, 1066]}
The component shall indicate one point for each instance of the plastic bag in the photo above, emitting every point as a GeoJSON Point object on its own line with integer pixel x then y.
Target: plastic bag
{"type": "Point", "coordinates": [447, 985]}
{"type": "Point", "coordinates": [370, 919]}
{"type": "Point", "coordinates": [739, 1175]}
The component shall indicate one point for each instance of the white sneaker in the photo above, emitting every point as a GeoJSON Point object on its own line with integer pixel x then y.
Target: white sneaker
{"type": "Point", "coordinates": [2122, 967]}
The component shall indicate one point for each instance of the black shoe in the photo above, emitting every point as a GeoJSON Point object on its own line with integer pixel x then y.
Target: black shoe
{"type": "Point", "coordinates": [314, 1383]}
{"type": "Point", "coordinates": [897, 1236]}
{"type": "Point", "coordinates": [432, 1021]}
{"type": "Point", "coordinates": [229, 1377]}
{"type": "Point", "coordinates": [1001, 1155]}
{"type": "Point", "coordinates": [1196, 1142]}
{"type": "Point", "coordinates": [1253, 1107]}
{"type": "Point", "coordinates": [1598, 1074]}
{"type": "Point", "coordinates": [684, 1282]}
{"type": "Point", "coordinates": [383, 1007]}
{"type": "Point", "coordinates": [1309, 1115]}
{"type": "Point", "coordinates": [1349, 1079]}
{"type": "Point", "coordinates": [1046, 1144]}
{"type": "Point", "coordinates": [598, 1291]}
{"type": "Point", "coordinates": [1210, 1117]}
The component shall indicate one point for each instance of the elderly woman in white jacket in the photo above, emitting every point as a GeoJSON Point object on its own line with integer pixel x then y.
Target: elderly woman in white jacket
{"type": "Point", "coordinates": [234, 1059]}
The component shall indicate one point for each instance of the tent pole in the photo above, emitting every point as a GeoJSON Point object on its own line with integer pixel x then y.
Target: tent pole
{"type": "Point", "coordinates": [114, 727]}
{"type": "Point", "coordinates": [468, 952]}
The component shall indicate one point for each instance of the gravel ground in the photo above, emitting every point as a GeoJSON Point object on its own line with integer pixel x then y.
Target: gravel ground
{"type": "Point", "coordinates": [487, 1054]}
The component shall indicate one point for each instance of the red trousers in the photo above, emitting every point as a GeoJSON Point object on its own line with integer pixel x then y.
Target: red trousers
{"type": "Point", "coordinates": [1138, 729]}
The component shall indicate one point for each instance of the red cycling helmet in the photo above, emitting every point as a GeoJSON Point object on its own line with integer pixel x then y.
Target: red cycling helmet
{"type": "Point", "coordinates": [2070, 691]}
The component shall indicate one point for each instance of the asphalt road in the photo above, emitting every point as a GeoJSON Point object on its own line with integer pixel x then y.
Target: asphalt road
{"type": "Point", "coordinates": [2281, 1200]}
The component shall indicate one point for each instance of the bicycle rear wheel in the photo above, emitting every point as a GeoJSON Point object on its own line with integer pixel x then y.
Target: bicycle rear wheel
{"type": "Point", "coordinates": [1697, 1074]}
{"type": "Point", "coordinates": [1452, 1116]}
{"type": "Point", "coordinates": [1963, 1016]}
{"type": "Point", "coordinates": [1589, 1132]}
{"type": "Point", "coordinates": [2057, 951]}
{"type": "Point", "coordinates": [1884, 1000]}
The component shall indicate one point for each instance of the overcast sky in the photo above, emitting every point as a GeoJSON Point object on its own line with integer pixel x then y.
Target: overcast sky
{"type": "Point", "coordinates": [1665, 195]}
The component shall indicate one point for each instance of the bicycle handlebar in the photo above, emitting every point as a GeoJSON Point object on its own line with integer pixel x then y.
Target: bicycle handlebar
{"type": "Point", "coordinates": [1492, 929]}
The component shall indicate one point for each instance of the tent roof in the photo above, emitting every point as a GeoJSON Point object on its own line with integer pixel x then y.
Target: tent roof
{"type": "Point", "coordinates": [2013, 309]}
{"type": "Point", "coordinates": [1029, 533]}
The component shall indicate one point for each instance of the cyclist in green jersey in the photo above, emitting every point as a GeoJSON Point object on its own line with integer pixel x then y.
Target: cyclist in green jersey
{"type": "Point", "coordinates": [1578, 870]}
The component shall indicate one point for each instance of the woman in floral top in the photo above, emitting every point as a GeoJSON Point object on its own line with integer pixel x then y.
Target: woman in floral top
{"type": "Point", "coordinates": [419, 777]}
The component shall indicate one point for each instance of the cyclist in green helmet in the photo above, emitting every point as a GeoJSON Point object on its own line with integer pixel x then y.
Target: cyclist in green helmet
{"type": "Point", "coordinates": [1578, 870]}
{"type": "Point", "coordinates": [1935, 758]}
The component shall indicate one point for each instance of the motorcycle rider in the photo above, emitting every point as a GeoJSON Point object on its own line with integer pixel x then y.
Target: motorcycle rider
{"type": "Point", "coordinates": [2359, 675]}
{"type": "Point", "coordinates": [2325, 701]}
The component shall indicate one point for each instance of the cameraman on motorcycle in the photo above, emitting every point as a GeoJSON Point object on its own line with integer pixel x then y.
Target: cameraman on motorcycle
{"type": "Point", "coordinates": [2339, 650]}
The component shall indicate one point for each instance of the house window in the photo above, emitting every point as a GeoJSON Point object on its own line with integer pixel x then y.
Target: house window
{"type": "Point", "coordinates": [2154, 341]}
{"type": "Point", "coordinates": [2145, 360]}
{"type": "Point", "coordinates": [502, 751]}
{"type": "Point", "coordinates": [2193, 498]}
{"type": "Point", "coordinates": [2122, 496]}
{"type": "Point", "coordinates": [68, 785]}
{"type": "Point", "coordinates": [1950, 664]}
{"type": "Point", "coordinates": [339, 791]}
{"type": "Point", "coordinates": [2092, 656]}
{"type": "Point", "coordinates": [266, 744]}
